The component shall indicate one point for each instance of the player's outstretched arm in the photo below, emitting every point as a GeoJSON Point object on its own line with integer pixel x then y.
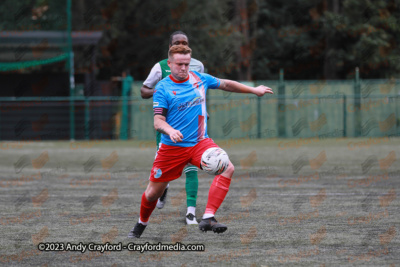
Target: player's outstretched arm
{"type": "Point", "coordinates": [146, 92]}
{"type": "Point", "coordinates": [233, 86]}
{"type": "Point", "coordinates": [163, 127]}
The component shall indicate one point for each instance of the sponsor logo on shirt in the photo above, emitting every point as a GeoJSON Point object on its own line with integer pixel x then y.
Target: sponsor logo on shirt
{"type": "Point", "coordinates": [195, 102]}
{"type": "Point", "coordinates": [155, 104]}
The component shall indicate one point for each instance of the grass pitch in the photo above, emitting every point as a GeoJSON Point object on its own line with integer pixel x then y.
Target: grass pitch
{"type": "Point", "coordinates": [303, 202]}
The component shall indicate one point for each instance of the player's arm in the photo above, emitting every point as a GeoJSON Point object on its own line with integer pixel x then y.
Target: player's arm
{"type": "Point", "coordinates": [146, 92]}
{"type": "Point", "coordinates": [161, 125]}
{"type": "Point", "coordinates": [235, 87]}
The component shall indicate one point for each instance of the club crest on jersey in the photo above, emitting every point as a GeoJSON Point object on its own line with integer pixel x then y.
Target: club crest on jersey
{"type": "Point", "coordinates": [157, 173]}
{"type": "Point", "coordinates": [174, 92]}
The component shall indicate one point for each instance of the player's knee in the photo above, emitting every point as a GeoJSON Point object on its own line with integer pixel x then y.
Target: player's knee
{"type": "Point", "coordinates": [151, 194]}
{"type": "Point", "coordinates": [229, 171]}
{"type": "Point", "coordinates": [231, 167]}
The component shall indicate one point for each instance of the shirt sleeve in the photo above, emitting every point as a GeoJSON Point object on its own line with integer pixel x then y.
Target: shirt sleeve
{"type": "Point", "coordinates": [201, 68]}
{"type": "Point", "coordinates": [212, 82]}
{"type": "Point", "coordinates": [159, 98]}
{"type": "Point", "coordinates": [154, 76]}
{"type": "Point", "coordinates": [196, 65]}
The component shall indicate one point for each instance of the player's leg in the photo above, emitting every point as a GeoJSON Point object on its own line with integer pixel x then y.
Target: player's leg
{"type": "Point", "coordinates": [192, 184]}
{"type": "Point", "coordinates": [147, 205]}
{"type": "Point", "coordinates": [218, 189]}
{"type": "Point", "coordinates": [216, 195]}
{"type": "Point", "coordinates": [167, 166]}
{"type": "Point", "coordinates": [163, 198]}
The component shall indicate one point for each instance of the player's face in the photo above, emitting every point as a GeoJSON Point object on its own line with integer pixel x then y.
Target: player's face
{"type": "Point", "coordinates": [179, 65]}
{"type": "Point", "coordinates": [179, 39]}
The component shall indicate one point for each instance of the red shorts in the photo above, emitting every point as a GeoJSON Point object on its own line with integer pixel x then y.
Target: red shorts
{"type": "Point", "coordinates": [170, 160]}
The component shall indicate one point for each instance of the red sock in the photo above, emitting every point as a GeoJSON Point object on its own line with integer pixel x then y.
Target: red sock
{"type": "Point", "coordinates": [218, 190]}
{"type": "Point", "coordinates": [146, 208]}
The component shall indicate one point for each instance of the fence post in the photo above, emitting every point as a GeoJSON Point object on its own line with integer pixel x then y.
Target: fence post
{"type": "Point", "coordinates": [357, 104]}
{"type": "Point", "coordinates": [87, 119]}
{"type": "Point", "coordinates": [71, 74]}
{"type": "Point", "coordinates": [395, 110]}
{"type": "Point", "coordinates": [281, 106]}
{"type": "Point", "coordinates": [258, 117]}
{"type": "Point", "coordinates": [344, 117]}
{"type": "Point", "coordinates": [126, 88]}
{"type": "Point", "coordinates": [123, 135]}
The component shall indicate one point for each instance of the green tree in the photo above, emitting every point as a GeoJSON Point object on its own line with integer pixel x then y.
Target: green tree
{"type": "Point", "coordinates": [288, 38]}
{"type": "Point", "coordinates": [327, 39]}
{"type": "Point", "coordinates": [237, 39]}
{"type": "Point", "coordinates": [138, 35]}
{"type": "Point", "coordinates": [363, 34]}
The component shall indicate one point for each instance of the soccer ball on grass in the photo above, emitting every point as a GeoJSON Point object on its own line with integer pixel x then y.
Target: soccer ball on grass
{"type": "Point", "coordinates": [214, 161]}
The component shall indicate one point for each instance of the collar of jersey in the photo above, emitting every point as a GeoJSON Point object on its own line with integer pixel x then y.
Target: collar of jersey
{"type": "Point", "coordinates": [176, 81]}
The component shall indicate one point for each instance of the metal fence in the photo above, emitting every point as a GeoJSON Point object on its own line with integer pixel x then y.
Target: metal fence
{"type": "Point", "coordinates": [298, 109]}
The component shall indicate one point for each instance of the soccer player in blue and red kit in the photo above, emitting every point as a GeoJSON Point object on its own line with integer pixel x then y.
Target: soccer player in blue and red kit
{"type": "Point", "coordinates": [179, 104]}
{"type": "Point", "coordinates": [160, 71]}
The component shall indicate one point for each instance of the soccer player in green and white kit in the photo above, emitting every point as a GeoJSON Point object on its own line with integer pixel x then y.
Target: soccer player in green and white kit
{"type": "Point", "coordinates": [157, 73]}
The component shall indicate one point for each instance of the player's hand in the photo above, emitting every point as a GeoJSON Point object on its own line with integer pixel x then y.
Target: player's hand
{"type": "Point", "coordinates": [262, 90]}
{"type": "Point", "coordinates": [176, 136]}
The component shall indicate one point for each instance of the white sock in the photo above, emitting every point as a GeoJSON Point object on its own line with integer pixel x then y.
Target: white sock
{"type": "Point", "coordinates": [191, 210]}
{"type": "Point", "coordinates": [144, 223]}
{"type": "Point", "coordinates": [207, 215]}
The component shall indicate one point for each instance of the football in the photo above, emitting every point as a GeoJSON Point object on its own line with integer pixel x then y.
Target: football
{"type": "Point", "coordinates": [214, 161]}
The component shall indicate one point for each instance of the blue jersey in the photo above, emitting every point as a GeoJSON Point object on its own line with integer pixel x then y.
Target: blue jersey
{"type": "Point", "coordinates": [186, 105]}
